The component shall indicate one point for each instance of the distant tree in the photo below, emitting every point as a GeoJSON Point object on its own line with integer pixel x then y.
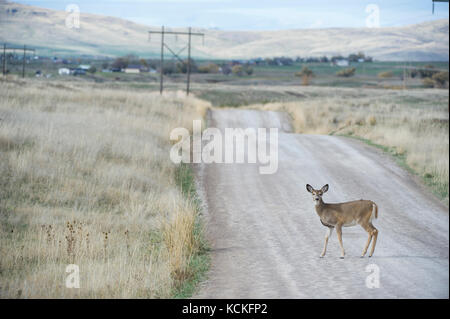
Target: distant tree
{"type": "Point", "coordinates": [183, 66]}
{"type": "Point", "coordinates": [92, 69]}
{"type": "Point", "coordinates": [105, 65]}
{"type": "Point", "coordinates": [143, 62]}
{"type": "Point", "coordinates": [346, 72]}
{"type": "Point", "coordinates": [353, 58]}
{"type": "Point", "coordinates": [226, 69]}
{"type": "Point", "coordinates": [306, 74]}
{"type": "Point", "coordinates": [170, 68]}
{"type": "Point", "coordinates": [237, 70]}
{"type": "Point", "coordinates": [427, 71]}
{"type": "Point", "coordinates": [120, 63]}
{"type": "Point", "coordinates": [336, 58]}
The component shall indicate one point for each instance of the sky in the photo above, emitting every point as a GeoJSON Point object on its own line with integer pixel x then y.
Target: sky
{"type": "Point", "coordinates": [259, 14]}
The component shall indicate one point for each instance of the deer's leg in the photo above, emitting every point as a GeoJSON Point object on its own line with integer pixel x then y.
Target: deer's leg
{"type": "Point", "coordinates": [368, 228]}
{"type": "Point", "coordinates": [327, 235]}
{"type": "Point", "coordinates": [339, 235]}
{"type": "Point", "coordinates": [375, 236]}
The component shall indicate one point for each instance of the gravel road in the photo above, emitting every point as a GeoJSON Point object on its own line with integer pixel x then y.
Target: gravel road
{"type": "Point", "coordinates": [266, 237]}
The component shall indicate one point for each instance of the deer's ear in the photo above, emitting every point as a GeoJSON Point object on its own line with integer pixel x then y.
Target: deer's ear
{"type": "Point", "coordinates": [325, 188]}
{"type": "Point", "coordinates": [309, 188]}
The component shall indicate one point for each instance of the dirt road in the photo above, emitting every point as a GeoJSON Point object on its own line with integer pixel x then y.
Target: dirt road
{"type": "Point", "coordinates": [266, 237]}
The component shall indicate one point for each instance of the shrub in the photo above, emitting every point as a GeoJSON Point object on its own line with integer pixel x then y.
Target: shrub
{"type": "Point", "coordinates": [372, 120]}
{"type": "Point", "coordinates": [386, 74]}
{"type": "Point", "coordinates": [240, 70]}
{"type": "Point", "coordinates": [346, 72]}
{"type": "Point", "coordinates": [428, 82]}
{"type": "Point", "coordinates": [440, 78]}
{"type": "Point", "coordinates": [305, 73]}
{"type": "Point", "coordinates": [210, 68]}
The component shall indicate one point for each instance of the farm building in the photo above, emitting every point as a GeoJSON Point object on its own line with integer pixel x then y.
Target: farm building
{"type": "Point", "coordinates": [342, 62]}
{"type": "Point", "coordinates": [63, 71]}
{"type": "Point", "coordinates": [84, 67]}
{"type": "Point", "coordinates": [132, 69]}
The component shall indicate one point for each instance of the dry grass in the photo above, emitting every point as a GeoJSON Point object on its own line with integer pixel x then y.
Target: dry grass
{"type": "Point", "coordinates": [85, 179]}
{"type": "Point", "coordinates": [413, 124]}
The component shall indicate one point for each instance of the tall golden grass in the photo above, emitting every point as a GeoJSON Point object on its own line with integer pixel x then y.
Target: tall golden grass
{"type": "Point", "coordinates": [86, 179]}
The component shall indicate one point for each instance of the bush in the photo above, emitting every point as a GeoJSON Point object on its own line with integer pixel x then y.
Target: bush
{"type": "Point", "coordinates": [248, 70]}
{"type": "Point", "coordinates": [92, 69]}
{"type": "Point", "coordinates": [241, 70]}
{"type": "Point", "coordinates": [440, 79]}
{"type": "Point", "coordinates": [386, 74]}
{"type": "Point", "coordinates": [306, 74]}
{"type": "Point", "coordinates": [372, 120]}
{"type": "Point", "coordinates": [346, 72]}
{"type": "Point", "coordinates": [237, 70]}
{"type": "Point", "coordinates": [210, 68]}
{"type": "Point", "coordinates": [428, 82]}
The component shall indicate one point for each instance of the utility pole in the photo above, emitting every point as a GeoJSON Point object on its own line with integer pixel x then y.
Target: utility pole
{"type": "Point", "coordinates": [162, 62]}
{"type": "Point", "coordinates": [4, 59]}
{"type": "Point", "coordinates": [433, 1]}
{"type": "Point", "coordinates": [23, 61]}
{"type": "Point", "coordinates": [25, 49]}
{"type": "Point", "coordinates": [163, 44]}
{"type": "Point", "coordinates": [189, 63]}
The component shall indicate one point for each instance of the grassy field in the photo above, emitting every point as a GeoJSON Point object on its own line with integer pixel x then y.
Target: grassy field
{"type": "Point", "coordinates": [85, 179]}
{"type": "Point", "coordinates": [366, 74]}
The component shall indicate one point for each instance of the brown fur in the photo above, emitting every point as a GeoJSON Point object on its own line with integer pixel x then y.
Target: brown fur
{"type": "Point", "coordinates": [346, 214]}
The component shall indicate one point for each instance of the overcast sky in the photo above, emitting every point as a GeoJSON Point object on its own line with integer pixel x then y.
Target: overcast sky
{"type": "Point", "coordinates": [256, 14]}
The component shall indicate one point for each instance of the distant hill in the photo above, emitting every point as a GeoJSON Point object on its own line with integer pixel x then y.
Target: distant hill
{"type": "Point", "coordinates": [98, 35]}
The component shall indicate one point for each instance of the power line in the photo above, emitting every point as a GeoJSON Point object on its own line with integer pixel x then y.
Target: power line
{"type": "Point", "coordinates": [164, 45]}
{"type": "Point", "coordinates": [13, 49]}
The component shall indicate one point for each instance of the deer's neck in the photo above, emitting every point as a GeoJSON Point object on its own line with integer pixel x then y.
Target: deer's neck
{"type": "Point", "coordinates": [320, 208]}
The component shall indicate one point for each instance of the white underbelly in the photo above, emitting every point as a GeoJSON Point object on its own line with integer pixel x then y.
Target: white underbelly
{"type": "Point", "coordinates": [349, 224]}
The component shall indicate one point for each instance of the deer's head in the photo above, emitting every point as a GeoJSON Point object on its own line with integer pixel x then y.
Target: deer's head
{"type": "Point", "coordinates": [317, 193]}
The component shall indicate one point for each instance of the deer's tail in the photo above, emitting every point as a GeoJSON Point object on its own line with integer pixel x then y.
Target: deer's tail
{"type": "Point", "coordinates": [374, 210]}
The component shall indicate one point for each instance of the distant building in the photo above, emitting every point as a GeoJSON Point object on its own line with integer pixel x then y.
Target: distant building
{"type": "Point", "coordinates": [84, 67]}
{"type": "Point", "coordinates": [63, 71]}
{"type": "Point", "coordinates": [132, 69]}
{"type": "Point", "coordinates": [342, 62]}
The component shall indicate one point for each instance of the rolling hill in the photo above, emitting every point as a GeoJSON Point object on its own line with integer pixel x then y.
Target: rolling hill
{"type": "Point", "coordinates": [98, 35]}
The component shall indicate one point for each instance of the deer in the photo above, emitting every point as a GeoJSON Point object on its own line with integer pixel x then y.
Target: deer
{"type": "Point", "coordinates": [338, 215]}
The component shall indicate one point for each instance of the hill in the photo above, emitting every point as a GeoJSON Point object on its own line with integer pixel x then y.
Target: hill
{"type": "Point", "coordinates": [99, 35]}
